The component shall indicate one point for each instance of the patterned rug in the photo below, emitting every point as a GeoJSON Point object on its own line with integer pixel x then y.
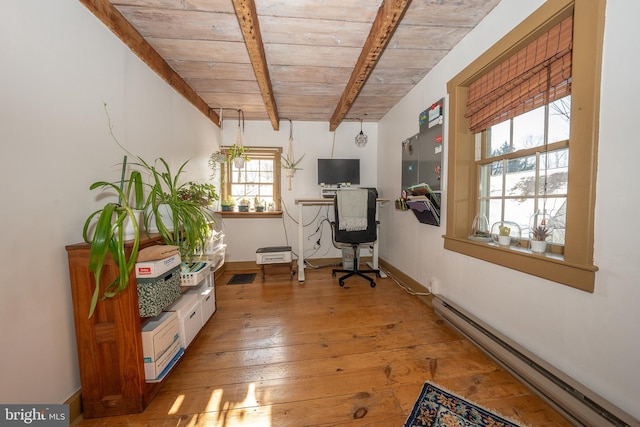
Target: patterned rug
{"type": "Point", "coordinates": [439, 408]}
{"type": "Point", "coordinates": [242, 279]}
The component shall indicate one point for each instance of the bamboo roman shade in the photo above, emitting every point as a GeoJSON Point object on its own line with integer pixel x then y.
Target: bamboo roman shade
{"type": "Point", "coordinates": [537, 74]}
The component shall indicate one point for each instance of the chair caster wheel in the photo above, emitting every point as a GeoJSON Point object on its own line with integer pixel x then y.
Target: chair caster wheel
{"type": "Point", "coordinates": [373, 284]}
{"type": "Point", "coordinates": [341, 282]}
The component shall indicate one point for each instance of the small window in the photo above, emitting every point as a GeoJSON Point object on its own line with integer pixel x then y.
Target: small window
{"type": "Point", "coordinates": [257, 180]}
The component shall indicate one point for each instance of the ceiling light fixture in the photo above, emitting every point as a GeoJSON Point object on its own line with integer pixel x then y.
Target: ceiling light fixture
{"type": "Point", "coordinates": [361, 138]}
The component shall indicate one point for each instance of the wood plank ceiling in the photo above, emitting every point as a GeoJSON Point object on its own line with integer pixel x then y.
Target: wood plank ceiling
{"type": "Point", "coordinates": [300, 60]}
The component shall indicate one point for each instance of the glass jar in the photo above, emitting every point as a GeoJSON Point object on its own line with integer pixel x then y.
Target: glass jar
{"type": "Point", "coordinates": [480, 228]}
{"type": "Point", "coordinates": [506, 233]}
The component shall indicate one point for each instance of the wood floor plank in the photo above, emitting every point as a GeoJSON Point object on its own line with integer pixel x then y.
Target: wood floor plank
{"type": "Point", "coordinates": [280, 353]}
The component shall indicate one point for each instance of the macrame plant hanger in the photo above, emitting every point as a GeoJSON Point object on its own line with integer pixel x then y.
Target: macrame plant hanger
{"type": "Point", "coordinates": [290, 156]}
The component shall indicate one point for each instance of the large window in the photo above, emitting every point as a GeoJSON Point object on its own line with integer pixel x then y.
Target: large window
{"type": "Point", "coordinates": [523, 169]}
{"type": "Point", "coordinates": [257, 180]}
{"type": "Point", "coordinates": [538, 155]}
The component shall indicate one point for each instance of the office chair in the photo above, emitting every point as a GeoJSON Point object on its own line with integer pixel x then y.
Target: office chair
{"type": "Point", "coordinates": [364, 231]}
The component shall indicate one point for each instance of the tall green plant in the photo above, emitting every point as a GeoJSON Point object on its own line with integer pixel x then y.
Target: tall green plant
{"type": "Point", "coordinates": [108, 237]}
{"type": "Point", "coordinates": [189, 229]}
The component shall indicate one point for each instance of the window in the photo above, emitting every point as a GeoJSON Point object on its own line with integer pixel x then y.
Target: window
{"type": "Point", "coordinates": [523, 169]}
{"type": "Point", "coordinates": [530, 157]}
{"type": "Point", "coordinates": [257, 180]}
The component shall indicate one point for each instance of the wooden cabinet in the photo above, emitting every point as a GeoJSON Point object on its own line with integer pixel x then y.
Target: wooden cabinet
{"type": "Point", "coordinates": [109, 343]}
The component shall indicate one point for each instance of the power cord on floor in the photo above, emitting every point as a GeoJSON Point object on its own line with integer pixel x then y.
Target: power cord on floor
{"type": "Point", "coordinates": [407, 290]}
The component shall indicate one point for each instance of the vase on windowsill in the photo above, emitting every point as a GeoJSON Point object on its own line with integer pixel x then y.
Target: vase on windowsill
{"type": "Point", "coordinates": [504, 240]}
{"type": "Point", "coordinates": [541, 228]}
{"type": "Point", "coordinates": [538, 246]}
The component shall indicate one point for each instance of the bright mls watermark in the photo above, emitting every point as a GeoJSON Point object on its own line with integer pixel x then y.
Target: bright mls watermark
{"type": "Point", "coordinates": [34, 415]}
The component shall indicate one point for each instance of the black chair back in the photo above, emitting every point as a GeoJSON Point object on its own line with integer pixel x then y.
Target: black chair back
{"type": "Point", "coordinates": [370, 234]}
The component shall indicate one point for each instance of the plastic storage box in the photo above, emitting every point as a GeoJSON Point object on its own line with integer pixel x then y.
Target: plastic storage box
{"type": "Point", "coordinates": [188, 309]}
{"type": "Point", "coordinates": [157, 293]}
{"type": "Point", "coordinates": [216, 258]}
{"type": "Point", "coordinates": [193, 273]}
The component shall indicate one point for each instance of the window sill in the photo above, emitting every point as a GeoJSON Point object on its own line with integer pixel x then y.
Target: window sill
{"type": "Point", "coordinates": [547, 266]}
{"type": "Point", "coordinates": [235, 214]}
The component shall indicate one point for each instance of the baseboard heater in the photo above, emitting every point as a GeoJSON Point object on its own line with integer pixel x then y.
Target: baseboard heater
{"type": "Point", "coordinates": [576, 402]}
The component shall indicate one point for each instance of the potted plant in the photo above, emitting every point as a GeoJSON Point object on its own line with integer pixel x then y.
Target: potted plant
{"type": "Point", "coordinates": [504, 238]}
{"type": "Point", "coordinates": [290, 166]}
{"type": "Point", "coordinates": [204, 194]}
{"type": "Point", "coordinates": [258, 204]}
{"type": "Point", "coordinates": [108, 237]}
{"type": "Point", "coordinates": [181, 222]}
{"type": "Point", "coordinates": [243, 205]}
{"type": "Point", "coordinates": [238, 155]}
{"type": "Point", "coordinates": [214, 162]}
{"type": "Point", "coordinates": [539, 239]}
{"type": "Point", "coordinates": [228, 204]}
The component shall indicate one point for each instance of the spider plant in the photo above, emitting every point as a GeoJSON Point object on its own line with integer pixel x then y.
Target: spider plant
{"type": "Point", "coordinates": [290, 165]}
{"type": "Point", "coordinates": [108, 236]}
{"type": "Point", "coordinates": [188, 227]}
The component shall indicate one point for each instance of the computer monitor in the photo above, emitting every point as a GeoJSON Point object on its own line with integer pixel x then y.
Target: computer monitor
{"type": "Point", "coordinates": [338, 171]}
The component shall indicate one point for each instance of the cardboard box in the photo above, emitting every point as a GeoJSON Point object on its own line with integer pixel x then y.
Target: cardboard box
{"type": "Point", "coordinates": [150, 269]}
{"type": "Point", "coordinates": [207, 296]}
{"type": "Point", "coordinates": [188, 310]}
{"type": "Point", "coordinates": [153, 370]}
{"type": "Point", "coordinates": [157, 293]}
{"type": "Point", "coordinates": [158, 336]}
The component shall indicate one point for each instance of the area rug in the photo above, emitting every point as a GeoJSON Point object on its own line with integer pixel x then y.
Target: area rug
{"type": "Point", "coordinates": [439, 408]}
{"type": "Point", "coordinates": [242, 279]}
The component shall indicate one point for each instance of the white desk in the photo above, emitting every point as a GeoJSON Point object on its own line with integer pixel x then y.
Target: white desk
{"type": "Point", "coordinates": [323, 202]}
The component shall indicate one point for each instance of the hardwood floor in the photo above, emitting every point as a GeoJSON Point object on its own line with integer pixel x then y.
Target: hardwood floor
{"type": "Point", "coordinates": [281, 353]}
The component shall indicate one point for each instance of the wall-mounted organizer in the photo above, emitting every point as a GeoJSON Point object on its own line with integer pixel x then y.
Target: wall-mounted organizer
{"type": "Point", "coordinates": [422, 167]}
{"type": "Point", "coordinates": [426, 207]}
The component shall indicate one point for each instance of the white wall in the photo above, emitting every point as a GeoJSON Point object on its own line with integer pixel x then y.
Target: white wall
{"type": "Point", "coordinates": [59, 65]}
{"type": "Point", "coordinates": [314, 140]}
{"type": "Point", "coordinates": [591, 337]}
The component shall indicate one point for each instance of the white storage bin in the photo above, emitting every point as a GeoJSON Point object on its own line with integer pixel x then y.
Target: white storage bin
{"type": "Point", "coordinates": [154, 370]}
{"type": "Point", "coordinates": [192, 273]}
{"type": "Point", "coordinates": [158, 335]}
{"type": "Point", "coordinates": [188, 308]}
{"type": "Point", "coordinates": [215, 257]}
{"type": "Point", "coordinates": [215, 240]}
{"type": "Point", "coordinates": [207, 296]}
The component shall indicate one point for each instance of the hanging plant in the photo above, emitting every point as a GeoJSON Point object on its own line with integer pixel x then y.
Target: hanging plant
{"type": "Point", "coordinates": [289, 164]}
{"type": "Point", "coordinates": [214, 162]}
{"type": "Point", "coordinates": [238, 152]}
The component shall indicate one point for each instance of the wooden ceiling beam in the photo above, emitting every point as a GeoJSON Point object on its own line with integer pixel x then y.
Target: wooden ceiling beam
{"type": "Point", "coordinates": [389, 15]}
{"type": "Point", "coordinates": [250, 27]}
{"type": "Point", "coordinates": [113, 19]}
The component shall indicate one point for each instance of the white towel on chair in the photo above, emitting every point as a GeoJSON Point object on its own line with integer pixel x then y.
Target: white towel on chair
{"type": "Point", "coordinates": [352, 209]}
